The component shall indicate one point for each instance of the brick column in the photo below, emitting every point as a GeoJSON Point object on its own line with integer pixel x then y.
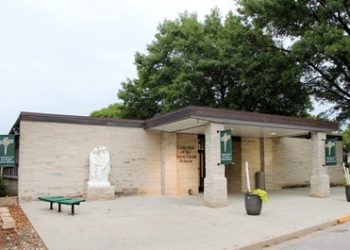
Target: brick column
{"type": "Point", "coordinates": [319, 180]}
{"type": "Point", "coordinates": [168, 164]}
{"type": "Point", "coordinates": [268, 164]}
{"type": "Point", "coordinates": [215, 183]}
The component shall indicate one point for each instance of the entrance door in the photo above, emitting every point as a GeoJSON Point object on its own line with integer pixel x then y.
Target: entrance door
{"type": "Point", "coordinates": [201, 167]}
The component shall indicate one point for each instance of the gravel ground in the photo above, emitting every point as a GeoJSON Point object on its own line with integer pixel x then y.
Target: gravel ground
{"type": "Point", "coordinates": [23, 237]}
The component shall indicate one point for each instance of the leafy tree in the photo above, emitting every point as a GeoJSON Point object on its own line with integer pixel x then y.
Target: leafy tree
{"type": "Point", "coordinates": [111, 111]}
{"type": "Point", "coordinates": [346, 139]}
{"type": "Point", "coordinates": [217, 63]}
{"type": "Point", "coordinates": [319, 35]}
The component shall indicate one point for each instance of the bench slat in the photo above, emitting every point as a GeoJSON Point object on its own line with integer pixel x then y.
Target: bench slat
{"type": "Point", "coordinates": [50, 197]}
{"type": "Point", "coordinates": [70, 201]}
{"type": "Point", "coordinates": [56, 199]}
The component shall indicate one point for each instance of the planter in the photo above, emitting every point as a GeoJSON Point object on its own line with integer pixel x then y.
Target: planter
{"type": "Point", "coordinates": [347, 193]}
{"type": "Point", "coordinates": [253, 204]}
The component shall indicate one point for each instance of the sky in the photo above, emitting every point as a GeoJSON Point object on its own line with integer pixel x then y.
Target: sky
{"type": "Point", "coordinates": [70, 56]}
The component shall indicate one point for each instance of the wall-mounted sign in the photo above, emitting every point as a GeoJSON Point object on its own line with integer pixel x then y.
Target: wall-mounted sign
{"type": "Point", "coordinates": [225, 147]}
{"type": "Point", "coordinates": [330, 151]}
{"type": "Point", "coordinates": [186, 153]}
{"type": "Point", "coordinates": [7, 150]}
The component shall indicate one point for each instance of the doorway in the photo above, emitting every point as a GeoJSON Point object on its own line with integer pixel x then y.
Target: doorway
{"type": "Point", "coordinates": [201, 167]}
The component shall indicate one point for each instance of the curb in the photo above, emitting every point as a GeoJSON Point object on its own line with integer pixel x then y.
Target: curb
{"type": "Point", "coordinates": [295, 234]}
{"type": "Point", "coordinates": [344, 218]}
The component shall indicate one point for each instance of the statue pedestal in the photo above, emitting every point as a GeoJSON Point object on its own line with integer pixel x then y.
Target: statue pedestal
{"type": "Point", "coordinates": [99, 192]}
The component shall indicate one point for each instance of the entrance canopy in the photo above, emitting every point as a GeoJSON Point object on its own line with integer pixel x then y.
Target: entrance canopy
{"type": "Point", "coordinates": [193, 120]}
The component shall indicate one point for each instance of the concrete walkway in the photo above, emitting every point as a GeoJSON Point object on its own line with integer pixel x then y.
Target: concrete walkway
{"type": "Point", "coordinates": [144, 222]}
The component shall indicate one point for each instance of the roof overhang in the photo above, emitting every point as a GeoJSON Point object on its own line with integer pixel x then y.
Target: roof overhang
{"type": "Point", "coordinates": [194, 119]}
{"type": "Point", "coordinates": [245, 124]}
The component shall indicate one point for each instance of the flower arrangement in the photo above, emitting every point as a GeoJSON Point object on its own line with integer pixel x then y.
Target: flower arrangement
{"type": "Point", "coordinates": [259, 192]}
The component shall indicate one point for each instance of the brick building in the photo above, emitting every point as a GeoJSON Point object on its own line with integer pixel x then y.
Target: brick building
{"type": "Point", "coordinates": [174, 154]}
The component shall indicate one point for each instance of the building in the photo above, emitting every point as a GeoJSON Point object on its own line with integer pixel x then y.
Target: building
{"type": "Point", "coordinates": [174, 154]}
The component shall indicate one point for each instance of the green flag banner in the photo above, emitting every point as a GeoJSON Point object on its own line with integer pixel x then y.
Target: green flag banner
{"type": "Point", "coordinates": [7, 150]}
{"type": "Point", "coordinates": [225, 147]}
{"type": "Point", "coordinates": [331, 152]}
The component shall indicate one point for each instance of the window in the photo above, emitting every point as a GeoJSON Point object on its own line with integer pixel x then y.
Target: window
{"type": "Point", "coordinates": [11, 172]}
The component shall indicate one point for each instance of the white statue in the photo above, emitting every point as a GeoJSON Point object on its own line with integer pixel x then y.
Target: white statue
{"type": "Point", "coordinates": [100, 167]}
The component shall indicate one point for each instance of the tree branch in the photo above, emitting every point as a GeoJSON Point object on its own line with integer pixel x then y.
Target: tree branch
{"type": "Point", "coordinates": [337, 17]}
{"type": "Point", "coordinates": [344, 95]}
{"type": "Point", "coordinates": [345, 73]}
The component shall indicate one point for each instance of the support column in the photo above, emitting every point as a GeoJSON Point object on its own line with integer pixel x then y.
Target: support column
{"type": "Point", "coordinates": [319, 180]}
{"type": "Point", "coordinates": [215, 183]}
{"type": "Point", "coordinates": [268, 151]}
{"type": "Point", "coordinates": [168, 164]}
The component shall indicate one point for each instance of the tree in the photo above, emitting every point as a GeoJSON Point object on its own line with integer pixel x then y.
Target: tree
{"type": "Point", "coordinates": [111, 111]}
{"type": "Point", "coordinates": [346, 139]}
{"type": "Point", "coordinates": [217, 63]}
{"type": "Point", "coordinates": [319, 35]}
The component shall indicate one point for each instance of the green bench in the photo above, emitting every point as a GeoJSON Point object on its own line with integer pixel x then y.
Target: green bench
{"type": "Point", "coordinates": [61, 200]}
{"type": "Point", "coordinates": [72, 202]}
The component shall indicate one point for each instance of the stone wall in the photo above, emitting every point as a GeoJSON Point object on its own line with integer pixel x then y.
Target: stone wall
{"type": "Point", "coordinates": [168, 163]}
{"type": "Point", "coordinates": [251, 154]}
{"type": "Point", "coordinates": [54, 158]}
{"type": "Point", "coordinates": [187, 163]}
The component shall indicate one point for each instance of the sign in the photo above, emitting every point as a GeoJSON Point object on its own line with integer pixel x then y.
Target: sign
{"type": "Point", "coordinates": [186, 153]}
{"type": "Point", "coordinates": [330, 152]}
{"type": "Point", "coordinates": [225, 147]}
{"type": "Point", "coordinates": [7, 150]}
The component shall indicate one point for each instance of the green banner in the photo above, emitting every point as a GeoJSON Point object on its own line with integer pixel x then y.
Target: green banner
{"type": "Point", "coordinates": [7, 150]}
{"type": "Point", "coordinates": [225, 147]}
{"type": "Point", "coordinates": [331, 151]}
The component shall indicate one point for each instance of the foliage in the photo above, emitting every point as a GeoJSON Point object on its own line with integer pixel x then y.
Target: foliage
{"type": "Point", "coordinates": [318, 32]}
{"type": "Point", "coordinates": [346, 139]}
{"type": "Point", "coordinates": [3, 189]}
{"type": "Point", "coordinates": [216, 62]}
{"type": "Point", "coordinates": [111, 111]}
{"type": "Point", "coordinates": [261, 193]}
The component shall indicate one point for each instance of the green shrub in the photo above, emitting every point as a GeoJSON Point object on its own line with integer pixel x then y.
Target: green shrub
{"type": "Point", "coordinates": [3, 190]}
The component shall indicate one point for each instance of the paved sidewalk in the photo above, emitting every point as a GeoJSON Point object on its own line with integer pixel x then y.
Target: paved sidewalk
{"type": "Point", "coordinates": [159, 222]}
{"type": "Point", "coordinates": [336, 237]}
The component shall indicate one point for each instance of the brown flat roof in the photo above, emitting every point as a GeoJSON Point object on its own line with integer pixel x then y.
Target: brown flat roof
{"type": "Point", "coordinates": [241, 117]}
{"type": "Point", "coordinates": [204, 113]}
{"type": "Point", "coordinates": [74, 119]}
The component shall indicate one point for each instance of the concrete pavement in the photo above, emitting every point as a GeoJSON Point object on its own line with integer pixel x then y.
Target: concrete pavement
{"type": "Point", "coordinates": [336, 237]}
{"type": "Point", "coordinates": [159, 222]}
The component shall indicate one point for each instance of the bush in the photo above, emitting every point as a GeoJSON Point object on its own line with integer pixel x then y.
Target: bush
{"type": "Point", "coordinates": [3, 190]}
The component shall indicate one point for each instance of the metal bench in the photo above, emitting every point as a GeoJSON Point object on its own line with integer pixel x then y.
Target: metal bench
{"type": "Point", "coordinates": [72, 202]}
{"type": "Point", "coordinates": [52, 199]}
{"type": "Point", "coordinates": [61, 200]}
